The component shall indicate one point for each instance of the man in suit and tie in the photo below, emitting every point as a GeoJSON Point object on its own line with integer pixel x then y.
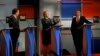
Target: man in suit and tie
{"type": "Point", "coordinates": [77, 31]}
{"type": "Point", "coordinates": [15, 31]}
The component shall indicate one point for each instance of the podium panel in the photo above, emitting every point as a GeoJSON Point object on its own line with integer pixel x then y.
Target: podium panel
{"type": "Point", "coordinates": [2, 44]}
{"type": "Point", "coordinates": [30, 42]}
{"type": "Point", "coordinates": [6, 45]}
{"type": "Point", "coordinates": [88, 37]}
{"type": "Point", "coordinates": [58, 40]}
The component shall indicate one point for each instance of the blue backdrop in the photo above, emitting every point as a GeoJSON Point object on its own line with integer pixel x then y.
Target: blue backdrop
{"type": "Point", "coordinates": [68, 9]}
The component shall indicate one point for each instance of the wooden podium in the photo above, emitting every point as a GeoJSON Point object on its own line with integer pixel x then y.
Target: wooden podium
{"type": "Point", "coordinates": [87, 37]}
{"type": "Point", "coordinates": [6, 44]}
{"type": "Point", "coordinates": [30, 41]}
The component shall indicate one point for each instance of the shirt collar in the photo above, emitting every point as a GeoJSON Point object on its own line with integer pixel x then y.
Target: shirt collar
{"type": "Point", "coordinates": [15, 16]}
{"type": "Point", "coordinates": [78, 17]}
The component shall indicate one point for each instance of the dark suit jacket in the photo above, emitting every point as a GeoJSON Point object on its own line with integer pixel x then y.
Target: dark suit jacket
{"type": "Point", "coordinates": [75, 30]}
{"type": "Point", "coordinates": [45, 24]}
{"type": "Point", "coordinates": [46, 32]}
{"type": "Point", "coordinates": [13, 22]}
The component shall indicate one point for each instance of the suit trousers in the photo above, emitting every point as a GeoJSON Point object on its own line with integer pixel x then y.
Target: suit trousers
{"type": "Point", "coordinates": [14, 33]}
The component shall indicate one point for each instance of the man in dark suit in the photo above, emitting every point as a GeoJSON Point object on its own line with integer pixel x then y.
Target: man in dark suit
{"type": "Point", "coordinates": [77, 31]}
{"type": "Point", "coordinates": [14, 23]}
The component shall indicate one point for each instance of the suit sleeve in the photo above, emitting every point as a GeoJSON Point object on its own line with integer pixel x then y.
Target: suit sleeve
{"type": "Point", "coordinates": [12, 22]}
{"type": "Point", "coordinates": [73, 28]}
{"type": "Point", "coordinates": [52, 23]}
{"type": "Point", "coordinates": [85, 20]}
{"type": "Point", "coordinates": [42, 22]}
{"type": "Point", "coordinates": [72, 25]}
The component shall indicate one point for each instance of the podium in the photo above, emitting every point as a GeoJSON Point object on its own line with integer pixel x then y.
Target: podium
{"type": "Point", "coordinates": [88, 35]}
{"type": "Point", "coordinates": [30, 41]}
{"type": "Point", "coordinates": [6, 44]}
{"type": "Point", "coordinates": [58, 39]}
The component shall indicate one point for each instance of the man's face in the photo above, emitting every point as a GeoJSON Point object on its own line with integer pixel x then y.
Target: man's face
{"type": "Point", "coordinates": [17, 13]}
{"type": "Point", "coordinates": [78, 13]}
